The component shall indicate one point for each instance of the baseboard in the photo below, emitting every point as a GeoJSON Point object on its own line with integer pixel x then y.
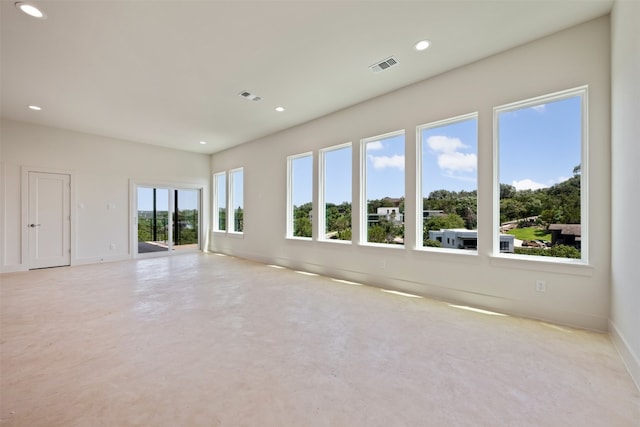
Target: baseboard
{"type": "Point", "coordinates": [18, 268]}
{"type": "Point", "coordinates": [514, 307]}
{"type": "Point", "coordinates": [100, 259]}
{"type": "Point", "coordinates": [630, 359]}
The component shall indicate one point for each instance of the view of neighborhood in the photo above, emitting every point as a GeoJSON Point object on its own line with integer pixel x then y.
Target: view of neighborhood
{"type": "Point", "coordinates": [153, 229]}
{"type": "Point", "coordinates": [543, 222]}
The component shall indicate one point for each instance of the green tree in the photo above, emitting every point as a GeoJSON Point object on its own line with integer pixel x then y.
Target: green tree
{"type": "Point", "coordinates": [376, 234]}
{"type": "Point", "coordinates": [338, 219]}
{"type": "Point", "coordinates": [238, 219]}
{"type": "Point", "coordinates": [558, 251]}
{"type": "Point", "coordinates": [432, 243]}
{"type": "Point", "coordinates": [344, 234]}
{"type": "Point", "coordinates": [302, 220]}
{"type": "Point", "coordinates": [507, 191]}
{"type": "Point", "coordinates": [222, 218]}
{"type": "Point", "coordinates": [441, 222]}
{"type": "Point", "coordinates": [511, 210]}
{"type": "Point", "coordinates": [302, 227]}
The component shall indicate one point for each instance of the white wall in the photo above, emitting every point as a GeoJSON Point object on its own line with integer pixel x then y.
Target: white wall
{"type": "Point", "coordinates": [625, 206]}
{"type": "Point", "coordinates": [575, 295]}
{"type": "Point", "coordinates": [101, 172]}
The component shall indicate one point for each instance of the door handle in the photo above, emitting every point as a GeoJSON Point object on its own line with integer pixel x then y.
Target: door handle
{"type": "Point", "coordinates": [34, 225]}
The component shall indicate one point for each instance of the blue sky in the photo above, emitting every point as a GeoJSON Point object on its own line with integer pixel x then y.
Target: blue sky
{"type": "Point", "coordinates": [302, 180]}
{"type": "Point", "coordinates": [237, 178]}
{"type": "Point", "coordinates": [385, 168]}
{"type": "Point", "coordinates": [450, 157]}
{"type": "Point", "coordinates": [221, 191]}
{"type": "Point", "coordinates": [338, 175]}
{"type": "Point", "coordinates": [539, 147]}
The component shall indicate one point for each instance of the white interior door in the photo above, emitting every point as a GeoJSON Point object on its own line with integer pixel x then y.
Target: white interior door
{"type": "Point", "coordinates": [49, 220]}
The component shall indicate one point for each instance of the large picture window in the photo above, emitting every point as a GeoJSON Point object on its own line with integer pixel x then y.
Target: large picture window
{"type": "Point", "coordinates": [382, 189]}
{"type": "Point", "coordinates": [300, 196]}
{"type": "Point", "coordinates": [448, 184]}
{"type": "Point", "coordinates": [236, 200]}
{"type": "Point", "coordinates": [220, 201]}
{"type": "Point", "coordinates": [335, 192]}
{"type": "Point", "coordinates": [541, 176]}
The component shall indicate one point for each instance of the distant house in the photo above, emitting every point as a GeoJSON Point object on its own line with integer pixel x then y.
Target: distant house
{"type": "Point", "coordinates": [389, 213]}
{"type": "Point", "coordinates": [430, 213]}
{"type": "Point", "coordinates": [461, 238]}
{"type": "Point", "coordinates": [566, 234]}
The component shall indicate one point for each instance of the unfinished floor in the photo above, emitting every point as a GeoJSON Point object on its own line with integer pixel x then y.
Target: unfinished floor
{"type": "Point", "coordinates": [206, 340]}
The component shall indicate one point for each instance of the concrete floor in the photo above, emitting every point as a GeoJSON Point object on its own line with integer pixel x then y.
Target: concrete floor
{"type": "Point", "coordinates": [205, 340]}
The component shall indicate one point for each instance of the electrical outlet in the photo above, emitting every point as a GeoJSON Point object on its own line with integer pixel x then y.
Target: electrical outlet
{"type": "Point", "coordinates": [383, 265]}
{"type": "Point", "coordinates": [541, 285]}
{"type": "Point", "coordinates": [112, 246]}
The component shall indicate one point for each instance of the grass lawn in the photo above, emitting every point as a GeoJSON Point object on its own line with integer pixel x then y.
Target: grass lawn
{"type": "Point", "coordinates": [530, 233]}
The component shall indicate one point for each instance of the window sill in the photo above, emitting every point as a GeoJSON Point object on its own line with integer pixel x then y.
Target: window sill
{"type": "Point", "coordinates": [299, 239]}
{"type": "Point", "coordinates": [336, 241]}
{"type": "Point", "coordinates": [537, 263]}
{"type": "Point", "coordinates": [461, 252]}
{"type": "Point", "coordinates": [382, 245]}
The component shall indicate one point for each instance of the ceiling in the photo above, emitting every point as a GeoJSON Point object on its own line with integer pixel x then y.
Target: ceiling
{"type": "Point", "coordinates": [169, 73]}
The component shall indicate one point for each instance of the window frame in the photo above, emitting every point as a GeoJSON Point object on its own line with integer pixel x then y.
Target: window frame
{"type": "Point", "coordinates": [583, 93]}
{"type": "Point", "coordinates": [216, 201]}
{"type": "Point", "coordinates": [322, 208]}
{"type": "Point", "coordinates": [231, 214]}
{"type": "Point", "coordinates": [290, 227]}
{"type": "Point", "coordinates": [364, 207]}
{"type": "Point", "coordinates": [419, 223]}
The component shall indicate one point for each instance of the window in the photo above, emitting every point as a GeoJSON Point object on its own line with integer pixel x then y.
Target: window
{"type": "Point", "coordinates": [335, 192]}
{"type": "Point", "coordinates": [448, 183]}
{"type": "Point", "coordinates": [382, 189]}
{"type": "Point", "coordinates": [540, 186]}
{"type": "Point", "coordinates": [220, 202]}
{"type": "Point", "coordinates": [299, 196]}
{"type": "Point", "coordinates": [236, 200]}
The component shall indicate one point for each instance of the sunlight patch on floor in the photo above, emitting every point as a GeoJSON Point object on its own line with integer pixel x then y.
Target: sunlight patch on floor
{"type": "Point", "coordinates": [476, 310]}
{"type": "Point", "coordinates": [402, 294]}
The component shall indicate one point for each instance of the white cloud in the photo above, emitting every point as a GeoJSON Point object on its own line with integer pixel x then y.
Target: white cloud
{"type": "Point", "coordinates": [383, 162]}
{"type": "Point", "coordinates": [457, 162]}
{"type": "Point", "coordinates": [559, 180]}
{"type": "Point", "coordinates": [450, 157]}
{"type": "Point", "coordinates": [444, 144]}
{"type": "Point", "coordinates": [374, 145]}
{"type": "Point", "coordinates": [539, 108]}
{"type": "Point", "coordinates": [527, 184]}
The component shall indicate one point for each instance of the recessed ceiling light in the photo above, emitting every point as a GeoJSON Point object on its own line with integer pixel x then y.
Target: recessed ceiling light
{"type": "Point", "coordinates": [35, 107]}
{"type": "Point", "coordinates": [31, 10]}
{"type": "Point", "coordinates": [279, 109]}
{"type": "Point", "coordinates": [203, 142]}
{"type": "Point", "coordinates": [422, 45]}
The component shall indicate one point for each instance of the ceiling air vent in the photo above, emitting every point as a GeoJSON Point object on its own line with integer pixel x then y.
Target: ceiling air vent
{"type": "Point", "coordinates": [383, 65]}
{"type": "Point", "coordinates": [250, 96]}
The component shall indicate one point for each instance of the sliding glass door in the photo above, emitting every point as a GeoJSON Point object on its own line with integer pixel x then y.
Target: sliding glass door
{"type": "Point", "coordinates": [186, 219]}
{"type": "Point", "coordinates": [153, 220]}
{"type": "Point", "coordinates": [168, 219]}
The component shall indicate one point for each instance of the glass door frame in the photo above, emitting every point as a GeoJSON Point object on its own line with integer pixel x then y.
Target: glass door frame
{"type": "Point", "coordinates": [133, 222]}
